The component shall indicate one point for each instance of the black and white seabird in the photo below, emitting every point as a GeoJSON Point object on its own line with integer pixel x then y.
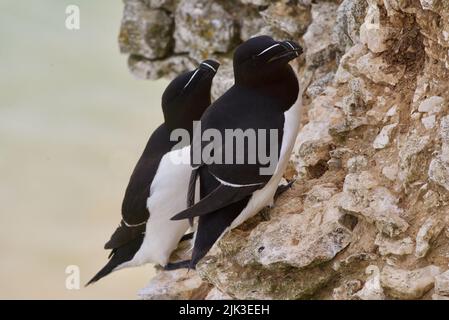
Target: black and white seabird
{"type": "Point", "coordinates": [158, 185]}
{"type": "Point", "coordinates": [265, 96]}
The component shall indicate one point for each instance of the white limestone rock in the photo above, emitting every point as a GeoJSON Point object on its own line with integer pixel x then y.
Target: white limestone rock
{"type": "Point", "coordinates": [372, 290]}
{"type": "Point", "coordinates": [428, 232]}
{"type": "Point", "coordinates": [383, 139]}
{"type": "Point", "coordinates": [405, 284]}
{"type": "Point", "coordinates": [389, 246]}
{"type": "Point", "coordinates": [175, 285]}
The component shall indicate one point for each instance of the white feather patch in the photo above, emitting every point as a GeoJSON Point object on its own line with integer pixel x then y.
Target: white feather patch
{"type": "Point", "coordinates": [264, 197]}
{"type": "Point", "coordinates": [168, 196]}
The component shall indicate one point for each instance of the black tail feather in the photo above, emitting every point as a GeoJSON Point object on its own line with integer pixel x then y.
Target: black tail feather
{"type": "Point", "coordinates": [124, 234]}
{"type": "Point", "coordinates": [117, 257]}
{"type": "Point", "coordinates": [211, 227]}
{"type": "Point", "coordinates": [107, 269]}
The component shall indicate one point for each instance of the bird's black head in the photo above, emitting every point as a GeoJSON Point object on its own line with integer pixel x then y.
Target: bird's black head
{"type": "Point", "coordinates": [262, 60]}
{"type": "Point", "coordinates": [188, 95]}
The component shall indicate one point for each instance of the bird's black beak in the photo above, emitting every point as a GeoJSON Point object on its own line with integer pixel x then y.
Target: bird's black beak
{"type": "Point", "coordinates": [292, 50]}
{"type": "Point", "coordinates": [209, 66]}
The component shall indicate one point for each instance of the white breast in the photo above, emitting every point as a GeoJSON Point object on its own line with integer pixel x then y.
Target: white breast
{"type": "Point", "coordinates": [168, 196]}
{"type": "Point", "coordinates": [264, 197]}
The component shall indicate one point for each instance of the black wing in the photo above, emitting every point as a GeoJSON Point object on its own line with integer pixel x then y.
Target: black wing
{"type": "Point", "coordinates": [220, 197]}
{"type": "Point", "coordinates": [134, 206]}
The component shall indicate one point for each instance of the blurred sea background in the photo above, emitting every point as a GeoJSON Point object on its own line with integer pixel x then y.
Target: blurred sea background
{"type": "Point", "coordinates": [73, 122]}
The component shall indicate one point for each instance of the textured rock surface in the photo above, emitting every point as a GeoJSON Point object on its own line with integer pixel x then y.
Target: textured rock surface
{"type": "Point", "coordinates": [368, 215]}
{"type": "Point", "coordinates": [178, 284]}
{"type": "Point", "coordinates": [404, 284]}
{"type": "Point", "coordinates": [372, 290]}
{"type": "Point", "coordinates": [442, 284]}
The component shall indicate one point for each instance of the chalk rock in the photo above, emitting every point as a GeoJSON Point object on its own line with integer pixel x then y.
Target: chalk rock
{"type": "Point", "coordinates": [223, 270]}
{"type": "Point", "coordinates": [412, 155]}
{"type": "Point", "coordinates": [292, 19]}
{"type": "Point", "coordinates": [383, 139]}
{"type": "Point", "coordinates": [203, 28]}
{"type": "Point", "coordinates": [346, 290]}
{"type": "Point", "coordinates": [175, 285]}
{"type": "Point", "coordinates": [442, 284]}
{"type": "Point", "coordinates": [145, 32]}
{"type": "Point", "coordinates": [314, 136]}
{"type": "Point", "coordinates": [405, 284]}
{"type": "Point", "coordinates": [363, 198]}
{"type": "Point", "coordinates": [256, 2]}
{"type": "Point", "coordinates": [357, 164]}
{"type": "Point", "coordinates": [319, 86]}
{"type": "Point", "coordinates": [319, 194]}
{"type": "Point", "coordinates": [431, 105]}
{"type": "Point", "coordinates": [377, 70]}
{"type": "Point", "coordinates": [251, 24]}
{"type": "Point", "coordinates": [428, 232]}
{"type": "Point", "coordinates": [350, 16]}
{"type": "Point", "coordinates": [439, 172]}
{"type": "Point", "coordinates": [342, 126]}
{"type": "Point", "coordinates": [396, 247]}
{"type": "Point", "coordinates": [164, 4]}
{"type": "Point", "coordinates": [311, 152]}
{"type": "Point", "coordinates": [444, 135]}
{"type": "Point", "coordinates": [223, 80]}
{"type": "Point", "coordinates": [429, 4]}
{"type": "Point", "coordinates": [392, 111]}
{"type": "Point", "coordinates": [439, 166]}
{"type": "Point", "coordinates": [297, 240]}
{"type": "Point", "coordinates": [429, 121]}
{"type": "Point", "coordinates": [216, 294]}
{"type": "Point", "coordinates": [347, 68]}
{"type": "Point", "coordinates": [143, 68]}
{"type": "Point", "coordinates": [372, 290]}
{"type": "Point", "coordinates": [384, 211]}
{"type": "Point", "coordinates": [390, 172]}
{"type": "Point", "coordinates": [318, 37]}
{"type": "Point", "coordinates": [373, 33]}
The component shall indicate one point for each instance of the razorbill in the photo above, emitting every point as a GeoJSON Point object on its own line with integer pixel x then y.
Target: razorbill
{"type": "Point", "coordinates": [158, 186]}
{"type": "Point", "coordinates": [265, 96]}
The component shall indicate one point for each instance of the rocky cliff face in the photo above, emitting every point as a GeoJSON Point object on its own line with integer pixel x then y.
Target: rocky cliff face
{"type": "Point", "coordinates": [368, 215]}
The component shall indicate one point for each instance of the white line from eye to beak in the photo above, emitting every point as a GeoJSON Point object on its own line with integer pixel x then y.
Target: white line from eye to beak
{"type": "Point", "coordinates": [191, 78]}
{"type": "Point", "coordinates": [291, 46]}
{"type": "Point", "coordinates": [208, 65]}
{"type": "Point", "coordinates": [269, 48]}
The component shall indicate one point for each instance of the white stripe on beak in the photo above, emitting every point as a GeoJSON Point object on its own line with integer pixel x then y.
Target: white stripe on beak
{"type": "Point", "coordinates": [208, 65]}
{"type": "Point", "coordinates": [191, 78]}
{"type": "Point", "coordinates": [269, 48]}
{"type": "Point", "coordinates": [291, 46]}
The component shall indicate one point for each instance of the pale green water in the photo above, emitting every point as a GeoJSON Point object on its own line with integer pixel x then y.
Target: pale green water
{"type": "Point", "coordinates": [73, 122]}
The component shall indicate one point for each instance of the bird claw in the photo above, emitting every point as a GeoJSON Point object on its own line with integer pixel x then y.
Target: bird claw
{"type": "Point", "coordinates": [184, 264]}
{"type": "Point", "coordinates": [282, 188]}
